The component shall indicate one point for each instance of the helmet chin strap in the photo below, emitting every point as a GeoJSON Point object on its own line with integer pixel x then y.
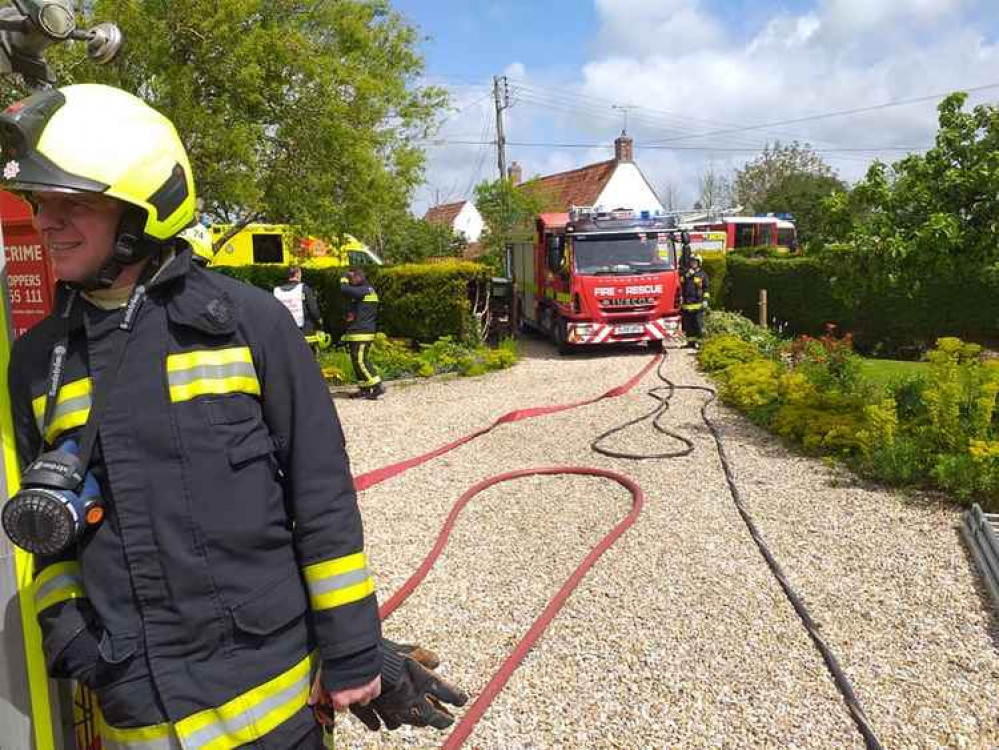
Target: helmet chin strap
{"type": "Point", "coordinates": [130, 247]}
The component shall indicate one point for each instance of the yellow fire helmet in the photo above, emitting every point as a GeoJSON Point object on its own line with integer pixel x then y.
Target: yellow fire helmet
{"type": "Point", "coordinates": [200, 240]}
{"type": "Point", "coordinates": [98, 139]}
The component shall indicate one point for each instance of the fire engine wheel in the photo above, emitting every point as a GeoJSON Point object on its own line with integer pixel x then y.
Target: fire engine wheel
{"type": "Point", "coordinates": [561, 336]}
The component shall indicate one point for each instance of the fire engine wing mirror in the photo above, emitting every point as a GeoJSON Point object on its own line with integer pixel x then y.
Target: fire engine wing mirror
{"type": "Point", "coordinates": [555, 250]}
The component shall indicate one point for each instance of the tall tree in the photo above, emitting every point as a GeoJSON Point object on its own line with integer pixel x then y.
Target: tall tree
{"type": "Point", "coordinates": [802, 194]}
{"type": "Point", "coordinates": [298, 111]}
{"type": "Point", "coordinates": [928, 215]}
{"type": "Point", "coordinates": [508, 212]}
{"type": "Point", "coordinates": [715, 188]}
{"type": "Point", "coordinates": [777, 162]}
{"type": "Point", "coordinates": [669, 195]}
{"type": "Point", "coordinates": [411, 240]}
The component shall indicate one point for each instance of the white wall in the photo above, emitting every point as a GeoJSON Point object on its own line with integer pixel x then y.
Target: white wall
{"type": "Point", "coordinates": [469, 222]}
{"type": "Point", "coordinates": [628, 189]}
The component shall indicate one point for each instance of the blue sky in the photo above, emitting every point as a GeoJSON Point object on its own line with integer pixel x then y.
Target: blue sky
{"type": "Point", "coordinates": [693, 67]}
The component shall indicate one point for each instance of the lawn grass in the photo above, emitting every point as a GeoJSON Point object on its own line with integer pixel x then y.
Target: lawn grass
{"type": "Point", "coordinates": [883, 371]}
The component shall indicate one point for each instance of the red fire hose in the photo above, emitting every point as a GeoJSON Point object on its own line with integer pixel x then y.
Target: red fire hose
{"type": "Point", "coordinates": [501, 677]}
{"type": "Point", "coordinates": [499, 680]}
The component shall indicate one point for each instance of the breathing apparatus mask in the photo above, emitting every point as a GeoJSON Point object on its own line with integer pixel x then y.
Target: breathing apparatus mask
{"type": "Point", "coordinates": [57, 502]}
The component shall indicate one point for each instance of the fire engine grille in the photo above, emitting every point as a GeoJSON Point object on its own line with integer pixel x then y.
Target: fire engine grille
{"type": "Point", "coordinates": [628, 302]}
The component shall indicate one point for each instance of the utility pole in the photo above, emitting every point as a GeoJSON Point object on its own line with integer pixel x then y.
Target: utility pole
{"type": "Point", "coordinates": [501, 96]}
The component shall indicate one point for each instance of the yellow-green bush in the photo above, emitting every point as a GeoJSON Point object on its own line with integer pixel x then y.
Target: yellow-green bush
{"type": "Point", "coordinates": [751, 386]}
{"type": "Point", "coordinates": [719, 352]}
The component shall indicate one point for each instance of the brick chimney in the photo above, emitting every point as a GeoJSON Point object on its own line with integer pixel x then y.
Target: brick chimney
{"type": "Point", "coordinates": [516, 173]}
{"type": "Point", "coordinates": [624, 148]}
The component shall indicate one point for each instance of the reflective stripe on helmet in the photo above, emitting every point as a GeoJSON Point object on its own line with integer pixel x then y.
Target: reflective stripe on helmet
{"type": "Point", "coordinates": [211, 372]}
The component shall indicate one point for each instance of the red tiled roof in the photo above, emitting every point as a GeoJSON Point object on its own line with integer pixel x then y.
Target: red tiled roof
{"type": "Point", "coordinates": [445, 213]}
{"type": "Point", "coordinates": [577, 187]}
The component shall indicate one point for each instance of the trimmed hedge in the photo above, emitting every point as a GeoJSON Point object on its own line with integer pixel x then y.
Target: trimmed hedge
{"type": "Point", "coordinates": [715, 267]}
{"type": "Point", "coordinates": [801, 300]}
{"type": "Point", "coordinates": [423, 302]}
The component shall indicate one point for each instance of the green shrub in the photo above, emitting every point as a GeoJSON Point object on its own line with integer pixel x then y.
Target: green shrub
{"type": "Point", "coordinates": [719, 352]}
{"type": "Point", "coordinates": [714, 264]}
{"type": "Point", "coordinates": [820, 427]}
{"type": "Point", "coordinates": [719, 323]}
{"type": "Point", "coordinates": [397, 358]}
{"type": "Point", "coordinates": [751, 387]}
{"type": "Point", "coordinates": [422, 302]}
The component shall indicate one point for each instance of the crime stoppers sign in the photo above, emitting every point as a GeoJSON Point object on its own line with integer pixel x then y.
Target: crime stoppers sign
{"type": "Point", "coordinates": [30, 282]}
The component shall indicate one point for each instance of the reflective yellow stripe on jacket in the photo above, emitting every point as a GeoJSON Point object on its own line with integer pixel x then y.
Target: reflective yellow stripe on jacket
{"type": "Point", "coordinates": [71, 410]}
{"type": "Point", "coordinates": [159, 737]}
{"type": "Point", "coordinates": [370, 297]}
{"type": "Point", "coordinates": [211, 372]}
{"type": "Point", "coordinates": [245, 718]}
{"type": "Point", "coordinates": [340, 581]}
{"type": "Point", "coordinates": [57, 583]}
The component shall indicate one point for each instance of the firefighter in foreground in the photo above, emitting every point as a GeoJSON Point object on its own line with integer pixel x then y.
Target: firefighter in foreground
{"type": "Point", "coordinates": [695, 293]}
{"type": "Point", "coordinates": [362, 322]}
{"type": "Point", "coordinates": [214, 590]}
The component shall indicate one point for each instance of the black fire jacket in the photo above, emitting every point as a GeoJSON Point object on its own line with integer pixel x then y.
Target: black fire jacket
{"type": "Point", "coordinates": [231, 562]}
{"type": "Point", "coordinates": [362, 311]}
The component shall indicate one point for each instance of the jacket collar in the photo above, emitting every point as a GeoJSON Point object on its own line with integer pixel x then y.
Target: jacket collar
{"type": "Point", "coordinates": [189, 294]}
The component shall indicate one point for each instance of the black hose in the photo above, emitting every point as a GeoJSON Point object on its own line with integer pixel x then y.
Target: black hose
{"type": "Point", "coordinates": [843, 683]}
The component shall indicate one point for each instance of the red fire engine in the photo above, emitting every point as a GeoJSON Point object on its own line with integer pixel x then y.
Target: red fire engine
{"type": "Point", "coordinates": [599, 278]}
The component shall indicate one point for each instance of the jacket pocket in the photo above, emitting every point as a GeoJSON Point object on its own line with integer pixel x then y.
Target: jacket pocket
{"type": "Point", "coordinates": [276, 605]}
{"type": "Point", "coordinates": [121, 660]}
{"type": "Point", "coordinates": [255, 446]}
{"type": "Point", "coordinates": [115, 649]}
{"type": "Point", "coordinates": [230, 409]}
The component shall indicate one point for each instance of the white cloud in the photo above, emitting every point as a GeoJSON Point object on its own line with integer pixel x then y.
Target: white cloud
{"type": "Point", "coordinates": [673, 59]}
{"type": "Point", "coordinates": [655, 27]}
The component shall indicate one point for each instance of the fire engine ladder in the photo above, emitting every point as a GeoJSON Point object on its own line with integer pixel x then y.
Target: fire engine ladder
{"type": "Point", "coordinates": [981, 531]}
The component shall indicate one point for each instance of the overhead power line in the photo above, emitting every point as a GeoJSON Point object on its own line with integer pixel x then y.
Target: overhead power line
{"type": "Point", "coordinates": [828, 115]}
{"type": "Point", "coordinates": [661, 147]}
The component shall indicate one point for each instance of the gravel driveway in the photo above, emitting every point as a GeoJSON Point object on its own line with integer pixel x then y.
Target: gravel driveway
{"type": "Point", "coordinates": [679, 637]}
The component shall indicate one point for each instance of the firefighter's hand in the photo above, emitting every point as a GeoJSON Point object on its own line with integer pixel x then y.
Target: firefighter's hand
{"type": "Point", "coordinates": [339, 700]}
{"type": "Point", "coordinates": [417, 699]}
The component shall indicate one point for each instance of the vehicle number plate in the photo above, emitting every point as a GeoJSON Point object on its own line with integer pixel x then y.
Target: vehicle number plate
{"type": "Point", "coordinates": [627, 328]}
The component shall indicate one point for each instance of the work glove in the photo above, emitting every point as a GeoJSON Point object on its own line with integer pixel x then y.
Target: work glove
{"type": "Point", "coordinates": [411, 693]}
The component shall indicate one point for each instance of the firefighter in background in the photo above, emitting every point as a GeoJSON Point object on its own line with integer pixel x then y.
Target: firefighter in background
{"type": "Point", "coordinates": [225, 596]}
{"type": "Point", "coordinates": [695, 295]}
{"type": "Point", "coordinates": [362, 322]}
{"type": "Point", "coordinates": [300, 300]}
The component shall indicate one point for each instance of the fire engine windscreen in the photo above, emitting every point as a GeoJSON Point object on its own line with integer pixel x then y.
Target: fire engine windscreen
{"type": "Point", "coordinates": [622, 253]}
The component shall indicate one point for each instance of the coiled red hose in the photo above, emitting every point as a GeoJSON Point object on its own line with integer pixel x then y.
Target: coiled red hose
{"type": "Point", "coordinates": [495, 685]}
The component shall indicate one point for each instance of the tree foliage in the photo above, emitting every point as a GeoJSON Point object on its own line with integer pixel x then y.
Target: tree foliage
{"type": "Point", "coordinates": [771, 168]}
{"type": "Point", "coordinates": [412, 240]}
{"type": "Point", "coordinates": [297, 111]}
{"type": "Point", "coordinates": [928, 215]}
{"type": "Point", "coordinates": [715, 189]}
{"type": "Point", "coordinates": [802, 194]}
{"type": "Point", "coordinates": [508, 211]}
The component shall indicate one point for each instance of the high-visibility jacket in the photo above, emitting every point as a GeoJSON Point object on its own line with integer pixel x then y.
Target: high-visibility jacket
{"type": "Point", "coordinates": [299, 299]}
{"type": "Point", "coordinates": [695, 289]}
{"type": "Point", "coordinates": [362, 311]}
{"type": "Point", "coordinates": [231, 562]}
